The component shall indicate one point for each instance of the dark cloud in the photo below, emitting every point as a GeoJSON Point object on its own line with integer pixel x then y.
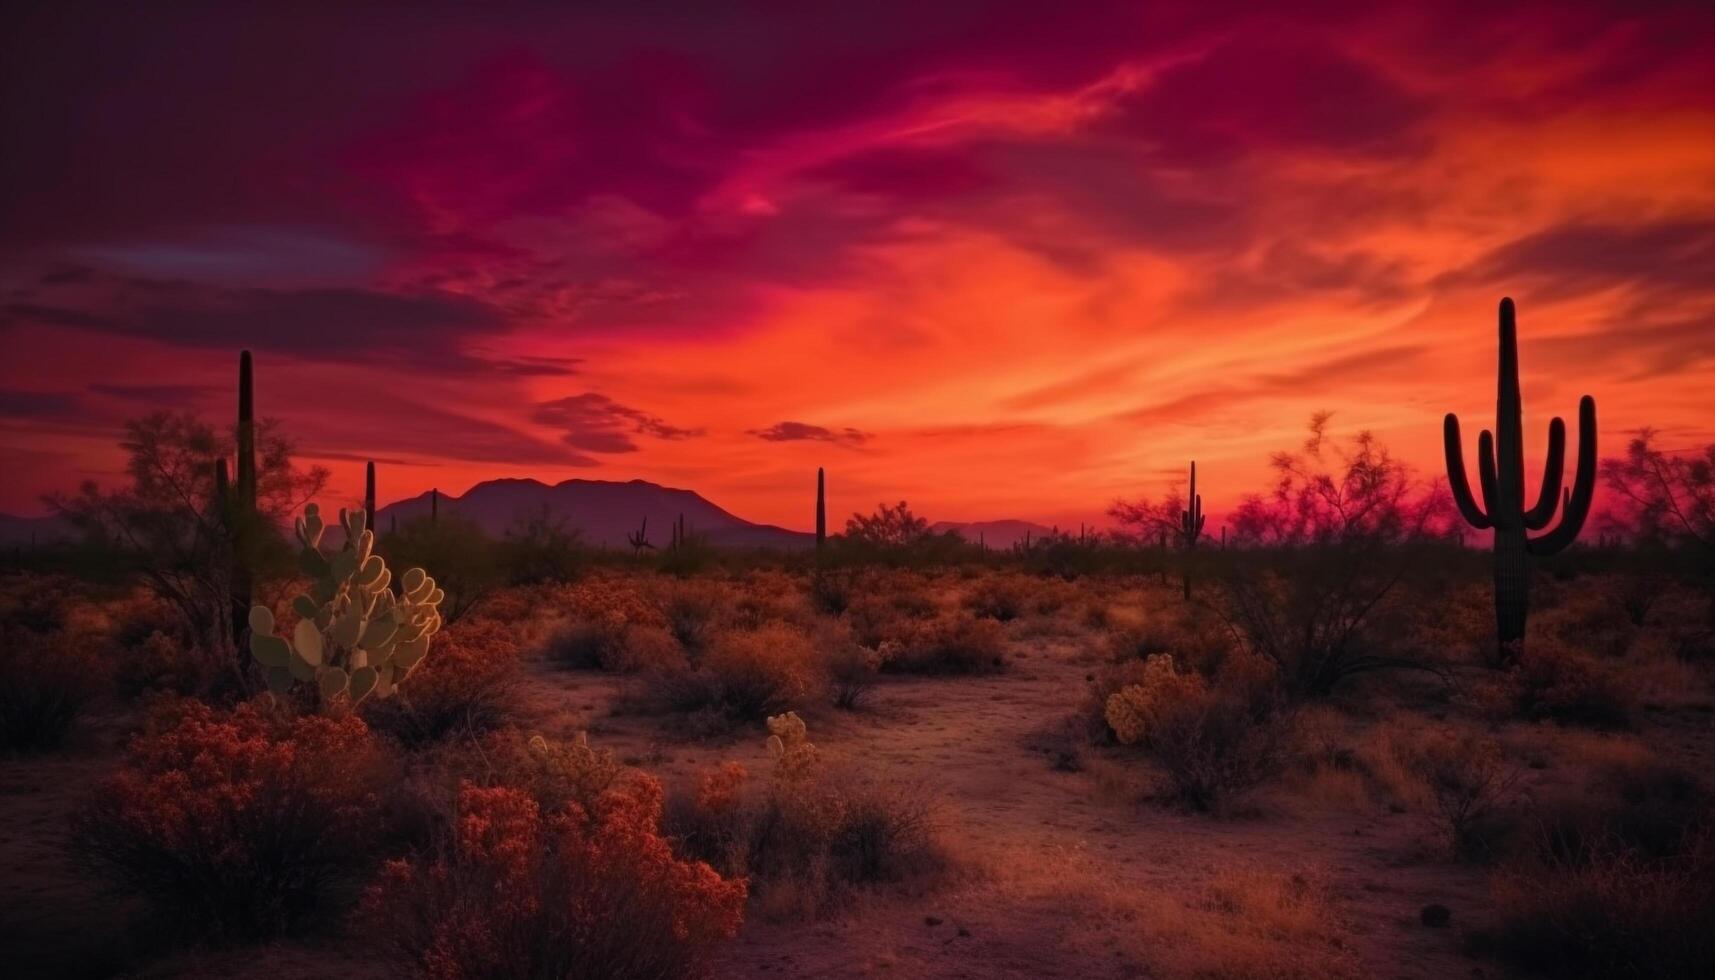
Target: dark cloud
{"type": "Point", "coordinates": [424, 329]}
{"type": "Point", "coordinates": [160, 396]}
{"type": "Point", "coordinates": [596, 423]}
{"type": "Point", "coordinates": [801, 431]}
{"type": "Point", "coordinates": [18, 403]}
{"type": "Point", "coordinates": [1278, 87]}
{"type": "Point", "coordinates": [1666, 258]}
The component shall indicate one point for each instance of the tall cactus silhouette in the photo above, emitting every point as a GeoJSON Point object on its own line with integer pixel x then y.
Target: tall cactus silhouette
{"type": "Point", "coordinates": [1500, 460]}
{"type": "Point", "coordinates": [821, 509]}
{"type": "Point", "coordinates": [1191, 526]}
{"type": "Point", "coordinates": [369, 495]}
{"type": "Point", "coordinates": [236, 502]}
{"type": "Point", "coordinates": [639, 539]}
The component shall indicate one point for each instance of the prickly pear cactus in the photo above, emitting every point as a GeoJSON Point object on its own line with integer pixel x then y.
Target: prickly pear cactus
{"type": "Point", "coordinates": [789, 745]}
{"type": "Point", "coordinates": [355, 636]}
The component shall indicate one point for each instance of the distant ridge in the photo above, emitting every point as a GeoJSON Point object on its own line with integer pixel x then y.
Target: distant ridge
{"type": "Point", "coordinates": [995, 534]}
{"type": "Point", "coordinates": [605, 511]}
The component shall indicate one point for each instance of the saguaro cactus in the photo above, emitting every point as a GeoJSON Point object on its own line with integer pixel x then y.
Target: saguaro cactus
{"type": "Point", "coordinates": [1500, 460]}
{"type": "Point", "coordinates": [369, 494]}
{"type": "Point", "coordinates": [821, 509]}
{"type": "Point", "coordinates": [639, 539]}
{"type": "Point", "coordinates": [236, 504]}
{"type": "Point", "coordinates": [434, 505]}
{"type": "Point", "coordinates": [1191, 526]}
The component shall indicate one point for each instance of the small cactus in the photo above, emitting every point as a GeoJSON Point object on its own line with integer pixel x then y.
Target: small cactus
{"type": "Point", "coordinates": [821, 509]}
{"type": "Point", "coordinates": [1191, 525]}
{"type": "Point", "coordinates": [355, 636]}
{"type": "Point", "coordinates": [639, 539]}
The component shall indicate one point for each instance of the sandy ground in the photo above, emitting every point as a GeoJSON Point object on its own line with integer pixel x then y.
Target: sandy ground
{"type": "Point", "coordinates": [1065, 873]}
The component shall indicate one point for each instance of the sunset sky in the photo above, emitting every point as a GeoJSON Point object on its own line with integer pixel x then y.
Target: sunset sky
{"type": "Point", "coordinates": [998, 259]}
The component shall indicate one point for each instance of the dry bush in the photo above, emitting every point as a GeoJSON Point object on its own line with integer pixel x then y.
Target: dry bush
{"type": "Point", "coordinates": [951, 644]}
{"type": "Point", "coordinates": [464, 688]}
{"type": "Point", "coordinates": [236, 825]}
{"type": "Point", "coordinates": [1002, 598]}
{"type": "Point", "coordinates": [1468, 785]}
{"type": "Point", "coordinates": [46, 682]}
{"type": "Point", "coordinates": [746, 676]}
{"type": "Point", "coordinates": [815, 833]}
{"type": "Point", "coordinates": [574, 892]}
{"type": "Point", "coordinates": [588, 643]}
{"type": "Point", "coordinates": [602, 610]}
{"type": "Point", "coordinates": [1618, 879]}
{"type": "Point", "coordinates": [1195, 642]}
{"type": "Point", "coordinates": [1558, 683]}
{"type": "Point", "coordinates": [1609, 913]}
{"type": "Point", "coordinates": [1214, 740]}
{"type": "Point", "coordinates": [649, 650]}
{"type": "Point", "coordinates": [692, 610]}
{"type": "Point", "coordinates": [853, 670]}
{"type": "Point", "coordinates": [832, 589]}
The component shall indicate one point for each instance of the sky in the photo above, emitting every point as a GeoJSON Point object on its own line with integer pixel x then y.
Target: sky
{"type": "Point", "coordinates": [998, 259]}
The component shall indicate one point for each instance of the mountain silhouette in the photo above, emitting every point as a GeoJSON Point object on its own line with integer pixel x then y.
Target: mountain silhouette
{"type": "Point", "coordinates": [994, 534]}
{"type": "Point", "coordinates": [605, 511]}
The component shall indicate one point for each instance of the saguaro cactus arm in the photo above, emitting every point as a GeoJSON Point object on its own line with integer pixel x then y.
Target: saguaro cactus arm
{"type": "Point", "coordinates": [1538, 517]}
{"type": "Point", "coordinates": [1577, 507]}
{"type": "Point", "coordinates": [1457, 481]}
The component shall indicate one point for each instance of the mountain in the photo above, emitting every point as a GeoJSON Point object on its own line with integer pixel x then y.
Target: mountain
{"type": "Point", "coordinates": [994, 534]}
{"type": "Point", "coordinates": [605, 511]}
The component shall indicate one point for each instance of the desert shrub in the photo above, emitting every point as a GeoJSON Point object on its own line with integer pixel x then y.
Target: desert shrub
{"type": "Point", "coordinates": [1468, 785]}
{"type": "Point", "coordinates": [746, 676]}
{"type": "Point", "coordinates": [1325, 558]}
{"type": "Point", "coordinates": [814, 833]}
{"type": "Point", "coordinates": [587, 643]}
{"type": "Point", "coordinates": [464, 558]}
{"type": "Point", "coordinates": [852, 672]}
{"type": "Point", "coordinates": [691, 610]}
{"type": "Point", "coordinates": [236, 825]}
{"type": "Point", "coordinates": [1214, 740]}
{"type": "Point", "coordinates": [46, 682]}
{"type": "Point", "coordinates": [513, 891]}
{"type": "Point", "coordinates": [650, 650]}
{"type": "Point", "coordinates": [540, 547]}
{"type": "Point", "coordinates": [1557, 683]}
{"type": "Point", "coordinates": [950, 644]}
{"type": "Point", "coordinates": [465, 689]}
{"type": "Point", "coordinates": [831, 589]}
{"type": "Point", "coordinates": [1608, 913]}
{"type": "Point", "coordinates": [603, 610]}
{"type": "Point", "coordinates": [1002, 599]}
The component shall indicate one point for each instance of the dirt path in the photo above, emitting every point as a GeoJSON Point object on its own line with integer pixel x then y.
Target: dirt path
{"type": "Point", "coordinates": [1072, 876]}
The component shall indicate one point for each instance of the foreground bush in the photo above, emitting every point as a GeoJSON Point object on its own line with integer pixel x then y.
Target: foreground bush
{"type": "Point", "coordinates": [1610, 913]}
{"type": "Point", "coordinates": [1468, 783]}
{"type": "Point", "coordinates": [45, 684]}
{"type": "Point", "coordinates": [951, 644]}
{"type": "Point", "coordinates": [571, 893]}
{"type": "Point", "coordinates": [813, 833]}
{"type": "Point", "coordinates": [1556, 683]}
{"type": "Point", "coordinates": [746, 676]}
{"type": "Point", "coordinates": [464, 689]}
{"type": "Point", "coordinates": [236, 825]}
{"type": "Point", "coordinates": [1213, 740]}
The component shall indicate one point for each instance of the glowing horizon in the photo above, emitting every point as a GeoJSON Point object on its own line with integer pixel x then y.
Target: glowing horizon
{"type": "Point", "coordinates": [998, 262]}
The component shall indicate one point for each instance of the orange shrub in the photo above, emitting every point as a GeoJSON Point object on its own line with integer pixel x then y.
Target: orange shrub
{"type": "Point", "coordinates": [746, 676]}
{"type": "Point", "coordinates": [236, 824]}
{"type": "Point", "coordinates": [464, 687]}
{"type": "Point", "coordinates": [578, 893]}
{"type": "Point", "coordinates": [953, 644]}
{"type": "Point", "coordinates": [1214, 740]}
